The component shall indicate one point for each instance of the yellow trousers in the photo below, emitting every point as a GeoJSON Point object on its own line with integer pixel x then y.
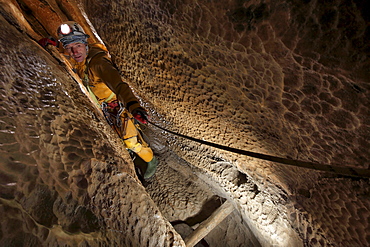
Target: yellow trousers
{"type": "Point", "coordinates": [133, 139]}
{"type": "Point", "coordinates": [123, 123]}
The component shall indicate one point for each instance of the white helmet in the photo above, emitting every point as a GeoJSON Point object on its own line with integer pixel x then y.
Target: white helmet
{"type": "Point", "coordinates": [71, 32]}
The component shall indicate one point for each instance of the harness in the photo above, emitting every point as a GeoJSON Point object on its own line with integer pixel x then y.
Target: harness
{"type": "Point", "coordinates": [113, 110]}
{"type": "Point", "coordinates": [85, 81]}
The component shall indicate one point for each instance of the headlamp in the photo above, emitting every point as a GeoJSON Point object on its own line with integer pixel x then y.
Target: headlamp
{"type": "Point", "coordinates": [65, 29]}
{"type": "Point", "coordinates": [71, 32]}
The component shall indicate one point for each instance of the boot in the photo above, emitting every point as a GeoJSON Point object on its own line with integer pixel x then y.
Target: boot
{"type": "Point", "coordinates": [151, 168]}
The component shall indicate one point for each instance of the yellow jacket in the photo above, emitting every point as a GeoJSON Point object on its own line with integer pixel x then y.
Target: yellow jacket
{"type": "Point", "coordinates": [103, 78]}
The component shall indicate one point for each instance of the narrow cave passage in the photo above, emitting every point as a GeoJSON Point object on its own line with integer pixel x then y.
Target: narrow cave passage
{"type": "Point", "coordinates": [187, 200]}
{"type": "Point", "coordinates": [284, 78]}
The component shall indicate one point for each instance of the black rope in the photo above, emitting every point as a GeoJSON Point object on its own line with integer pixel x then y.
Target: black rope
{"type": "Point", "coordinates": [346, 171]}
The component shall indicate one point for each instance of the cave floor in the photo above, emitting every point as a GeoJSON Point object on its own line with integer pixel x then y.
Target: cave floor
{"type": "Point", "coordinates": [187, 200]}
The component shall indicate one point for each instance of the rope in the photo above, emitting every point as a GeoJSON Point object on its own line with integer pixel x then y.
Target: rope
{"type": "Point", "coordinates": [346, 171]}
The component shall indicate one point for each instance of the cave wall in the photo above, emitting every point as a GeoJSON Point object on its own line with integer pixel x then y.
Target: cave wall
{"type": "Point", "coordinates": [66, 179]}
{"type": "Point", "coordinates": [285, 78]}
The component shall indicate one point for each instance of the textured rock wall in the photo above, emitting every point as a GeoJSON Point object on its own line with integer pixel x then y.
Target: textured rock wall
{"type": "Point", "coordinates": [283, 78]}
{"type": "Point", "coordinates": [65, 178]}
{"type": "Point", "coordinates": [286, 78]}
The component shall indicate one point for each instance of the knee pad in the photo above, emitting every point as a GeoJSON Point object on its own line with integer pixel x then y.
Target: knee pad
{"type": "Point", "coordinates": [133, 144]}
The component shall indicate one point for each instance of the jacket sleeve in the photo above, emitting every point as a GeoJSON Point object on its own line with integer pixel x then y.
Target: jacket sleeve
{"type": "Point", "coordinates": [105, 70]}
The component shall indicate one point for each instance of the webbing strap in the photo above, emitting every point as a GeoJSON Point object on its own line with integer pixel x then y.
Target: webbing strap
{"type": "Point", "coordinates": [87, 85]}
{"type": "Point", "coordinates": [109, 97]}
{"type": "Point", "coordinates": [93, 96]}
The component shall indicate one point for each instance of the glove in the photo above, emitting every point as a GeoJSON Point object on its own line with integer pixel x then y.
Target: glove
{"type": "Point", "coordinates": [45, 41]}
{"type": "Point", "coordinates": [140, 115]}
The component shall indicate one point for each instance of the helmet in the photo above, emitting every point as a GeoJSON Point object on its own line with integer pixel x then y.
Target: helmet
{"type": "Point", "coordinates": [71, 32]}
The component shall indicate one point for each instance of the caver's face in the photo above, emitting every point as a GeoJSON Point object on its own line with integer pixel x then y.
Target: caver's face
{"type": "Point", "coordinates": [77, 51]}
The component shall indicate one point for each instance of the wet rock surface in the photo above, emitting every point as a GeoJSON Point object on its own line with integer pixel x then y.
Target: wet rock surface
{"type": "Point", "coordinates": [285, 78]}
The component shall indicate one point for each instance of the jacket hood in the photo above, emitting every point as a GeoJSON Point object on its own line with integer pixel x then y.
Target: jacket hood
{"type": "Point", "coordinates": [96, 48]}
